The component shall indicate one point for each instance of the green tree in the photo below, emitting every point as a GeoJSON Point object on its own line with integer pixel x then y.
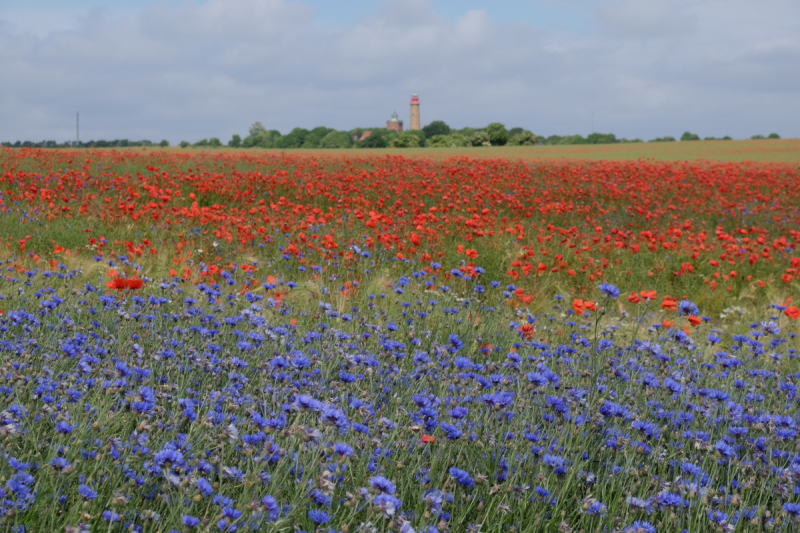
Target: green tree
{"type": "Point", "coordinates": [756, 137]}
{"type": "Point", "coordinates": [687, 136]}
{"type": "Point", "coordinates": [184, 144]}
{"type": "Point", "coordinates": [514, 131]}
{"type": "Point", "coordinates": [202, 142]}
{"type": "Point", "coordinates": [164, 143]}
{"type": "Point", "coordinates": [314, 137]}
{"type": "Point", "coordinates": [265, 139]}
{"type": "Point", "coordinates": [466, 132]}
{"type": "Point", "coordinates": [294, 139]}
{"type": "Point", "coordinates": [235, 141]}
{"type": "Point", "coordinates": [379, 138]}
{"type": "Point", "coordinates": [437, 127]}
{"type": "Point", "coordinates": [406, 139]}
{"type": "Point", "coordinates": [666, 139]}
{"type": "Point", "coordinates": [420, 136]}
{"type": "Point", "coordinates": [256, 128]}
{"type": "Point", "coordinates": [773, 136]}
{"type": "Point", "coordinates": [454, 140]}
{"type": "Point", "coordinates": [601, 138]}
{"type": "Point", "coordinates": [498, 135]}
{"type": "Point", "coordinates": [523, 138]}
{"type": "Point", "coordinates": [480, 138]}
{"type": "Point", "coordinates": [336, 139]}
{"type": "Point", "coordinates": [214, 142]}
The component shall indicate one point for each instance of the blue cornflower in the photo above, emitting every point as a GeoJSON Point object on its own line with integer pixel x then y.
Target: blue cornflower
{"type": "Point", "coordinates": [609, 290]}
{"type": "Point", "coordinates": [382, 484]}
{"type": "Point", "coordinates": [688, 308]}
{"type": "Point", "coordinates": [793, 509]}
{"type": "Point", "coordinates": [319, 498]}
{"type": "Point", "coordinates": [451, 432]}
{"type": "Point", "coordinates": [59, 464]}
{"type": "Point", "coordinates": [669, 499]}
{"type": "Point", "coordinates": [640, 526]}
{"type": "Point", "coordinates": [272, 507]}
{"type": "Point", "coordinates": [463, 478]}
{"type": "Point", "coordinates": [190, 521]}
{"type": "Point", "coordinates": [553, 461]}
{"type": "Point", "coordinates": [244, 345]}
{"type": "Point", "coordinates": [168, 458]}
{"type": "Point", "coordinates": [724, 449]}
{"type": "Point", "coordinates": [86, 492]}
{"type": "Point", "coordinates": [639, 503]}
{"type": "Point", "coordinates": [386, 504]}
{"type": "Point", "coordinates": [319, 517]}
{"type": "Point", "coordinates": [206, 489]}
{"type": "Point", "coordinates": [64, 428]}
{"type": "Point", "coordinates": [345, 450]}
{"type": "Point", "coordinates": [458, 412]}
{"type": "Point", "coordinates": [231, 512]}
{"type": "Point", "coordinates": [455, 342]}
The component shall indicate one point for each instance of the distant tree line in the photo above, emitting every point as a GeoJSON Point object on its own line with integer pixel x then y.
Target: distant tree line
{"type": "Point", "coordinates": [437, 134]}
{"type": "Point", "coordinates": [119, 143]}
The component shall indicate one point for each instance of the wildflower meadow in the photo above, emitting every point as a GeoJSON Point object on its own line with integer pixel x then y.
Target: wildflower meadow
{"type": "Point", "coordinates": [220, 341]}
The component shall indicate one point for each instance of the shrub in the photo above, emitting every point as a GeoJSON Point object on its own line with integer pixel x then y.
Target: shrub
{"type": "Point", "coordinates": [406, 139]}
{"type": "Point", "coordinates": [524, 138]}
{"type": "Point", "coordinates": [447, 141]}
{"type": "Point", "coordinates": [437, 127]}
{"type": "Point", "coordinates": [480, 138]}
{"type": "Point", "coordinates": [336, 139]}
{"type": "Point", "coordinates": [498, 135]}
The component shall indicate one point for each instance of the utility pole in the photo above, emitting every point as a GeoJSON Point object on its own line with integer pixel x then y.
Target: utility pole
{"type": "Point", "coordinates": [78, 127]}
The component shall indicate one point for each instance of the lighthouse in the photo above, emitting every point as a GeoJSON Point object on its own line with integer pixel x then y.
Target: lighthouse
{"type": "Point", "coordinates": [414, 112]}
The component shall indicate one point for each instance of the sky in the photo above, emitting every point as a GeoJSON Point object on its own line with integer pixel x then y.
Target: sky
{"type": "Point", "coordinates": [193, 69]}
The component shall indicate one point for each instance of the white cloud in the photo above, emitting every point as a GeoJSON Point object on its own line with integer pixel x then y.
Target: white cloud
{"type": "Point", "coordinates": [645, 68]}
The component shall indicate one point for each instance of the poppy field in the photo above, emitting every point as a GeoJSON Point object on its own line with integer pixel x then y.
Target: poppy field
{"type": "Point", "coordinates": [256, 341]}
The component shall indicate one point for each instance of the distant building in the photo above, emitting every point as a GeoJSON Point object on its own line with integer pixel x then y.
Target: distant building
{"type": "Point", "coordinates": [394, 123]}
{"type": "Point", "coordinates": [365, 135]}
{"type": "Point", "coordinates": [414, 113]}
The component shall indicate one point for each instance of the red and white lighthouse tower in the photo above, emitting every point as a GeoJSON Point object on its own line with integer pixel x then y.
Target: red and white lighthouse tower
{"type": "Point", "coordinates": [414, 113]}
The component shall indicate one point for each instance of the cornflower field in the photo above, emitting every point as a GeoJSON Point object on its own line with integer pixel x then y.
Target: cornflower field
{"type": "Point", "coordinates": [255, 341]}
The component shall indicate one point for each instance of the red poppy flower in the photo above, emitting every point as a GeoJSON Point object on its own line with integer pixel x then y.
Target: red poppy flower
{"type": "Point", "coordinates": [428, 439]}
{"type": "Point", "coordinates": [117, 284]}
{"type": "Point", "coordinates": [526, 331]}
{"type": "Point", "coordinates": [792, 312]}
